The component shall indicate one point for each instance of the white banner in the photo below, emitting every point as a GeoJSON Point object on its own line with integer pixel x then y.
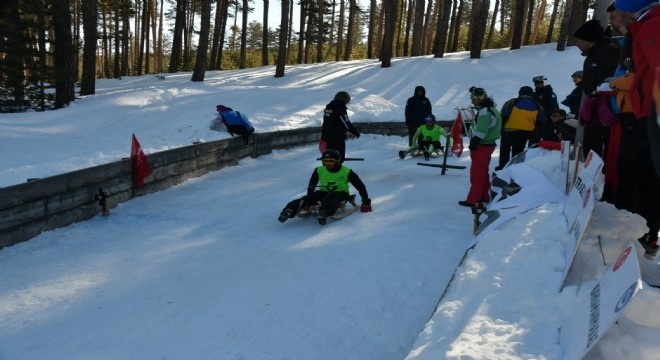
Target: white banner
{"type": "Point", "coordinates": [576, 200]}
{"type": "Point", "coordinates": [595, 311]}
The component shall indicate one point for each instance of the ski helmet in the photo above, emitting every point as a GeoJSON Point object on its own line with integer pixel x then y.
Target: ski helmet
{"type": "Point", "coordinates": [478, 93]}
{"type": "Point", "coordinates": [331, 154]}
{"type": "Point", "coordinates": [430, 118]}
{"type": "Point", "coordinates": [343, 97]}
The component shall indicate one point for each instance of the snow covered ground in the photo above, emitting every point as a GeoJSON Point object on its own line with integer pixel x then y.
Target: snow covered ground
{"type": "Point", "coordinates": [205, 271]}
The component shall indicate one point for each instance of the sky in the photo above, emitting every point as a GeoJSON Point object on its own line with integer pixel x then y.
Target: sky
{"type": "Point", "coordinates": [204, 270]}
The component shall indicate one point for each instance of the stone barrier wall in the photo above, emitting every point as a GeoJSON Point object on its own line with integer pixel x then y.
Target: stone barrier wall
{"type": "Point", "coordinates": [28, 209]}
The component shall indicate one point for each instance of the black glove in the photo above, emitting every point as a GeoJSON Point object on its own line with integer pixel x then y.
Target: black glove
{"type": "Point", "coordinates": [474, 143]}
{"type": "Point", "coordinates": [357, 135]}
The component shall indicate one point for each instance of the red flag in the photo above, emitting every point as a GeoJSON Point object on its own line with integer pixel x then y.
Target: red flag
{"type": "Point", "coordinates": [457, 136]}
{"type": "Point", "coordinates": [142, 167]}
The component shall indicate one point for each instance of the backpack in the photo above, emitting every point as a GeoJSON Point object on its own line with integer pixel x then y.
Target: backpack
{"type": "Point", "coordinates": [236, 122]}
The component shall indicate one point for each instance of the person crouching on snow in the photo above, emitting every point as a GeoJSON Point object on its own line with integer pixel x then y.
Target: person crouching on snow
{"type": "Point", "coordinates": [426, 138]}
{"type": "Point", "coordinates": [334, 179]}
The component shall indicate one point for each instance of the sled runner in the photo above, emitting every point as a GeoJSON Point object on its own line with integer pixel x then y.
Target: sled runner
{"type": "Point", "coordinates": [343, 211]}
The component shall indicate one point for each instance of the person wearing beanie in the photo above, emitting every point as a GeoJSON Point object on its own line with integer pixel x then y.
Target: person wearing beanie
{"type": "Point", "coordinates": [417, 107]}
{"type": "Point", "coordinates": [643, 20]}
{"type": "Point", "coordinates": [573, 100]}
{"type": "Point", "coordinates": [519, 118]}
{"type": "Point", "coordinates": [601, 60]}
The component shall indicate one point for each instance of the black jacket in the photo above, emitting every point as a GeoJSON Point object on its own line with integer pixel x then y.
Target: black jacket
{"type": "Point", "coordinates": [417, 107]}
{"type": "Point", "coordinates": [600, 62]}
{"type": "Point", "coordinates": [336, 122]}
{"type": "Point", "coordinates": [572, 101]}
{"type": "Point", "coordinates": [547, 98]}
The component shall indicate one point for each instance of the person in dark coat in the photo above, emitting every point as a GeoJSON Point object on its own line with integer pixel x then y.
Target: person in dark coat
{"type": "Point", "coordinates": [561, 129]}
{"type": "Point", "coordinates": [417, 107]}
{"type": "Point", "coordinates": [601, 59]}
{"type": "Point", "coordinates": [546, 97]}
{"type": "Point", "coordinates": [336, 124]}
{"type": "Point", "coordinates": [572, 101]}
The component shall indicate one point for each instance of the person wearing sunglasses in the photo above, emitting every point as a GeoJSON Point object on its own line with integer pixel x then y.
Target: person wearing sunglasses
{"type": "Point", "coordinates": [484, 132]}
{"type": "Point", "coordinates": [332, 179]}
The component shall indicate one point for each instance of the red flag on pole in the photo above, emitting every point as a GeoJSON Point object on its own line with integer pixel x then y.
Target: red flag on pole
{"type": "Point", "coordinates": [142, 167]}
{"type": "Point", "coordinates": [457, 135]}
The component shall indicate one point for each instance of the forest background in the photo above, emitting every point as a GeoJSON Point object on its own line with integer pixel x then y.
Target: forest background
{"type": "Point", "coordinates": [54, 50]}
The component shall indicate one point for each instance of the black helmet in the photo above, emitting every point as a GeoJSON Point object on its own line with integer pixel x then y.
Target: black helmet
{"type": "Point", "coordinates": [540, 78]}
{"type": "Point", "coordinates": [331, 154]}
{"type": "Point", "coordinates": [343, 97]}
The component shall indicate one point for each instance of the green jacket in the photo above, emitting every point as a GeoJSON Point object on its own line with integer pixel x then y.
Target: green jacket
{"type": "Point", "coordinates": [487, 124]}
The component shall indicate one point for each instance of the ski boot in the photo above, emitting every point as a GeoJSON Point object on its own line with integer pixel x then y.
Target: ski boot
{"type": "Point", "coordinates": [650, 246]}
{"type": "Point", "coordinates": [402, 154]}
{"type": "Point", "coordinates": [427, 155]}
{"type": "Point", "coordinates": [285, 215]}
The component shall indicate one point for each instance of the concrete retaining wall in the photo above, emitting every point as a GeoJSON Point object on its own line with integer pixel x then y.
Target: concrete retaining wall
{"type": "Point", "coordinates": [28, 209]}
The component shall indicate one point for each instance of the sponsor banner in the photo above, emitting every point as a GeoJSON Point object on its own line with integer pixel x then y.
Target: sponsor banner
{"type": "Point", "coordinates": [582, 188]}
{"type": "Point", "coordinates": [597, 309]}
{"type": "Point", "coordinates": [578, 230]}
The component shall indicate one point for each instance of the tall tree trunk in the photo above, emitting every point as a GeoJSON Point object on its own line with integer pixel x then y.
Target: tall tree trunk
{"type": "Point", "coordinates": [479, 30]}
{"type": "Point", "coordinates": [563, 29]}
{"type": "Point", "coordinates": [553, 20]}
{"type": "Point", "coordinates": [416, 48]}
{"type": "Point", "coordinates": [431, 21]}
{"type": "Point", "coordinates": [213, 64]}
{"type": "Point", "coordinates": [457, 26]}
{"type": "Point", "coordinates": [452, 26]}
{"type": "Point", "coordinates": [301, 38]}
{"type": "Point", "coordinates": [87, 85]}
{"type": "Point", "coordinates": [116, 69]}
{"type": "Point", "coordinates": [350, 31]}
{"type": "Point", "coordinates": [426, 28]}
{"type": "Point", "coordinates": [64, 53]}
{"type": "Point", "coordinates": [105, 43]}
{"type": "Point", "coordinates": [398, 48]}
{"type": "Point", "coordinates": [177, 37]}
{"type": "Point", "coordinates": [529, 20]}
{"type": "Point", "coordinates": [537, 24]}
{"type": "Point", "coordinates": [76, 38]}
{"type": "Point", "coordinates": [518, 24]}
{"type": "Point", "coordinates": [409, 22]}
{"type": "Point", "coordinates": [244, 30]}
{"type": "Point", "coordinates": [340, 30]}
{"type": "Point", "coordinates": [41, 21]}
{"type": "Point", "coordinates": [441, 32]}
{"type": "Point", "coordinates": [372, 27]}
{"type": "Point", "coordinates": [161, 54]}
{"type": "Point", "coordinates": [388, 34]}
{"type": "Point", "coordinates": [15, 46]}
{"type": "Point", "coordinates": [126, 38]}
{"type": "Point", "coordinates": [282, 48]}
{"type": "Point", "coordinates": [474, 15]}
{"type": "Point", "coordinates": [265, 41]}
{"type": "Point", "coordinates": [491, 31]}
{"type": "Point", "coordinates": [203, 43]}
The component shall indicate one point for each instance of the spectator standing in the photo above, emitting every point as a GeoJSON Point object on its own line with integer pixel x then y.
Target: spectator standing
{"type": "Point", "coordinates": [484, 132]}
{"type": "Point", "coordinates": [573, 100]}
{"type": "Point", "coordinates": [643, 19]}
{"type": "Point", "coordinates": [601, 59]}
{"type": "Point", "coordinates": [417, 107]}
{"type": "Point", "coordinates": [336, 124]}
{"type": "Point", "coordinates": [519, 118]}
{"type": "Point", "coordinates": [546, 97]}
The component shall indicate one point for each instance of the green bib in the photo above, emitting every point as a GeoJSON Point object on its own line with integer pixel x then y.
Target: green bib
{"type": "Point", "coordinates": [333, 181]}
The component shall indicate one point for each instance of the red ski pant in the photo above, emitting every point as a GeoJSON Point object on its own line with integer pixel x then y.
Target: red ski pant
{"type": "Point", "coordinates": [480, 174]}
